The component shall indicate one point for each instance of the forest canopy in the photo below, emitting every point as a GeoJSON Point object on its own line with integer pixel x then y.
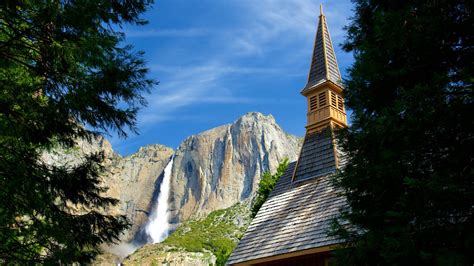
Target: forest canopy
{"type": "Point", "coordinates": [409, 177]}
{"type": "Point", "coordinates": [65, 74]}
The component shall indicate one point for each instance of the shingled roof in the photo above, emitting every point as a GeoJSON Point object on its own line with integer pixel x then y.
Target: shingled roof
{"type": "Point", "coordinates": [323, 63]}
{"type": "Point", "coordinates": [296, 216]}
{"type": "Point", "coordinates": [317, 157]}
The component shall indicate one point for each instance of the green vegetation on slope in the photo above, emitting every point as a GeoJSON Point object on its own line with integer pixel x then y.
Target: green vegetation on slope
{"type": "Point", "coordinates": [266, 185]}
{"type": "Point", "coordinates": [160, 254]}
{"type": "Point", "coordinates": [219, 232]}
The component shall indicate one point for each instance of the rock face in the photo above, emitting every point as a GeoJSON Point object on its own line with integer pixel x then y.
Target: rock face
{"type": "Point", "coordinates": [170, 256]}
{"type": "Point", "coordinates": [134, 179]}
{"type": "Point", "coordinates": [222, 166]}
{"type": "Point", "coordinates": [75, 155]}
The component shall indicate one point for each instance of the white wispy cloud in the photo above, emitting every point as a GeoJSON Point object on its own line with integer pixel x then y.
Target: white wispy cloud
{"type": "Point", "coordinates": [202, 63]}
{"type": "Point", "coordinates": [169, 33]}
{"type": "Point", "coordinates": [271, 24]}
{"type": "Point", "coordinates": [287, 22]}
{"type": "Point", "coordinates": [188, 85]}
{"type": "Point", "coordinates": [274, 21]}
{"type": "Point", "coordinates": [216, 68]}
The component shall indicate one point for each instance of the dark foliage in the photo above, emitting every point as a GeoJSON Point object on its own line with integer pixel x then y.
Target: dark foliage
{"type": "Point", "coordinates": [266, 185]}
{"type": "Point", "coordinates": [62, 66]}
{"type": "Point", "coordinates": [409, 180]}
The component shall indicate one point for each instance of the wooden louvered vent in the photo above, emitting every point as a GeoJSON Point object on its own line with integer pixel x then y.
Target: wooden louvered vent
{"type": "Point", "coordinates": [313, 103]}
{"type": "Point", "coordinates": [333, 99]}
{"type": "Point", "coordinates": [340, 103]}
{"type": "Point", "coordinates": [322, 99]}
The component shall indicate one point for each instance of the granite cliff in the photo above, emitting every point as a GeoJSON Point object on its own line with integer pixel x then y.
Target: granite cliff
{"type": "Point", "coordinates": [212, 170]}
{"type": "Point", "coordinates": [222, 166]}
{"type": "Point", "coordinates": [133, 180]}
{"type": "Point", "coordinates": [130, 179]}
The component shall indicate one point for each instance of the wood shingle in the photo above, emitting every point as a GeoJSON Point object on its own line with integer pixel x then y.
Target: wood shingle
{"type": "Point", "coordinates": [323, 63]}
{"type": "Point", "coordinates": [296, 216]}
{"type": "Point", "coordinates": [317, 156]}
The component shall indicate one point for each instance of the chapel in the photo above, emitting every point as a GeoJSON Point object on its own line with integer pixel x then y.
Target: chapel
{"type": "Point", "coordinates": [291, 228]}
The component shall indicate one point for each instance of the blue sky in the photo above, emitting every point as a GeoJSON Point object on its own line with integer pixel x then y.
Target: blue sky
{"type": "Point", "coordinates": [219, 59]}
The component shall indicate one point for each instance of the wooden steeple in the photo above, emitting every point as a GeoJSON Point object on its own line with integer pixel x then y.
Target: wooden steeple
{"type": "Point", "coordinates": [324, 91]}
{"type": "Point", "coordinates": [291, 226]}
{"type": "Point", "coordinates": [324, 94]}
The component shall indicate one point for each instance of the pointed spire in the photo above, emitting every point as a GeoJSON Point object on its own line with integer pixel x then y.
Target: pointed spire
{"type": "Point", "coordinates": [323, 64]}
{"type": "Point", "coordinates": [321, 10]}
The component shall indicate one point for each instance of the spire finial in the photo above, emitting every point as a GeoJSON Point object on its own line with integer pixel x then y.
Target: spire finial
{"type": "Point", "coordinates": [321, 10]}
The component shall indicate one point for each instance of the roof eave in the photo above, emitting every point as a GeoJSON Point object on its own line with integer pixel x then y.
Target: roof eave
{"type": "Point", "coordinates": [310, 88]}
{"type": "Point", "coordinates": [314, 250]}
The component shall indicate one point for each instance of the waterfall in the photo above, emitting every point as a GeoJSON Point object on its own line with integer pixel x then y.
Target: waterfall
{"type": "Point", "coordinates": [158, 227]}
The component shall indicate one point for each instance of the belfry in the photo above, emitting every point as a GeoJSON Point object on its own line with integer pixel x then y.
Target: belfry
{"type": "Point", "coordinates": [292, 226]}
{"type": "Point", "coordinates": [324, 87]}
{"type": "Point", "coordinates": [325, 111]}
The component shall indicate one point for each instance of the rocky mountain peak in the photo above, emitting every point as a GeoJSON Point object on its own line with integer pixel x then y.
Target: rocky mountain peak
{"type": "Point", "coordinates": [222, 166]}
{"type": "Point", "coordinates": [151, 151]}
{"type": "Point", "coordinates": [256, 117]}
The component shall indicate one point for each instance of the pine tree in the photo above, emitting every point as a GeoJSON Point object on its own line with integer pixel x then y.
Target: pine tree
{"type": "Point", "coordinates": [64, 75]}
{"type": "Point", "coordinates": [266, 185]}
{"type": "Point", "coordinates": [409, 178]}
